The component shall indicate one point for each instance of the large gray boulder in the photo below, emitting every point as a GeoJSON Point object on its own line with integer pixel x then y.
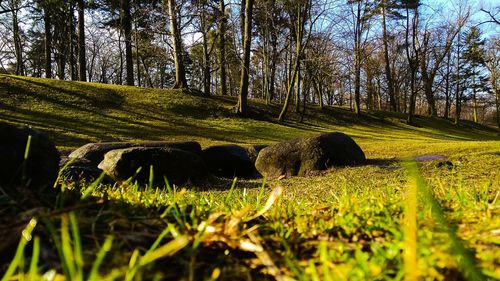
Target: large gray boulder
{"type": "Point", "coordinates": [254, 150]}
{"type": "Point", "coordinates": [85, 160]}
{"type": "Point", "coordinates": [306, 155]}
{"type": "Point", "coordinates": [179, 166]}
{"type": "Point", "coordinates": [42, 166]}
{"type": "Point", "coordinates": [95, 152]}
{"type": "Point", "coordinates": [79, 169]}
{"type": "Point", "coordinates": [229, 161]}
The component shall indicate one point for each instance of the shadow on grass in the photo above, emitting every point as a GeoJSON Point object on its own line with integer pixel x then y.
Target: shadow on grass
{"type": "Point", "coordinates": [75, 113]}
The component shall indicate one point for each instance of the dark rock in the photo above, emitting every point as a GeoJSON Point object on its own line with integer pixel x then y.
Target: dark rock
{"type": "Point", "coordinates": [253, 151]}
{"type": "Point", "coordinates": [446, 164]}
{"type": "Point", "coordinates": [95, 151]}
{"type": "Point", "coordinates": [429, 157]}
{"type": "Point", "coordinates": [177, 165]}
{"type": "Point", "coordinates": [304, 156]}
{"type": "Point", "coordinates": [79, 169]}
{"type": "Point", "coordinates": [229, 161]}
{"type": "Point", "coordinates": [41, 168]}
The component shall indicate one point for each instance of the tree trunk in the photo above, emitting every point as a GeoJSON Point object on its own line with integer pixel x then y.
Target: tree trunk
{"type": "Point", "coordinates": [120, 71]}
{"type": "Point", "coordinates": [222, 47]}
{"type": "Point", "coordinates": [379, 95]}
{"type": "Point", "coordinates": [297, 89]}
{"type": "Point", "coordinates": [265, 65]}
{"type": "Point", "coordinates": [206, 54]}
{"type": "Point", "coordinates": [247, 40]}
{"type": "Point", "coordinates": [413, 61]}
{"type": "Point", "coordinates": [497, 100]}
{"type": "Point", "coordinates": [82, 61]}
{"type": "Point", "coordinates": [127, 30]}
{"type": "Point", "coordinates": [71, 46]}
{"type": "Point", "coordinates": [180, 71]}
{"type": "Point", "coordinates": [284, 110]}
{"type": "Point", "coordinates": [474, 107]}
{"type": "Point", "coordinates": [357, 62]}
{"type": "Point", "coordinates": [457, 91]}
{"type": "Point", "coordinates": [447, 88]}
{"type": "Point", "coordinates": [319, 91]}
{"type": "Point", "coordinates": [17, 42]}
{"type": "Point", "coordinates": [272, 76]}
{"type": "Point", "coordinates": [388, 75]}
{"type": "Point", "coordinates": [48, 44]}
{"type": "Point", "coordinates": [137, 56]}
{"type": "Point", "coordinates": [429, 94]}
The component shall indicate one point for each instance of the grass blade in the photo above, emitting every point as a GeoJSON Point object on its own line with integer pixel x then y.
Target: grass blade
{"type": "Point", "coordinates": [78, 257]}
{"type": "Point", "coordinates": [25, 238]}
{"type": "Point", "coordinates": [93, 186]}
{"type": "Point", "coordinates": [33, 271]}
{"type": "Point", "coordinates": [410, 228]}
{"type": "Point", "coordinates": [100, 257]}
{"type": "Point", "coordinates": [275, 194]}
{"type": "Point", "coordinates": [151, 177]}
{"type": "Point", "coordinates": [67, 249]}
{"type": "Point", "coordinates": [463, 257]}
{"type": "Point", "coordinates": [168, 249]}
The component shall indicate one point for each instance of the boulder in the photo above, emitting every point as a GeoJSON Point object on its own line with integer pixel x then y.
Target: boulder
{"type": "Point", "coordinates": [253, 151]}
{"type": "Point", "coordinates": [95, 152]}
{"type": "Point", "coordinates": [79, 169]}
{"type": "Point", "coordinates": [229, 161]}
{"type": "Point", "coordinates": [177, 165]}
{"type": "Point", "coordinates": [42, 166]}
{"type": "Point", "coordinates": [306, 155]}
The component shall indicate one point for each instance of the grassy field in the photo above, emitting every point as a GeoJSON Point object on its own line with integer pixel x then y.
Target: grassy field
{"type": "Point", "coordinates": [383, 221]}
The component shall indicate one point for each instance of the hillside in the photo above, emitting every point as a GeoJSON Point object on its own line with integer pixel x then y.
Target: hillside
{"type": "Point", "coordinates": [346, 223]}
{"type": "Point", "coordinates": [74, 113]}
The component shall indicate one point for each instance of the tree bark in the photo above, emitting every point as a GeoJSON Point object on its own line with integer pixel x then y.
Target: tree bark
{"type": "Point", "coordinates": [206, 53]}
{"type": "Point", "coordinates": [413, 61]}
{"type": "Point", "coordinates": [82, 60]}
{"type": "Point", "coordinates": [497, 101]}
{"type": "Point", "coordinates": [247, 41]}
{"type": "Point", "coordinates": [297, 89]}
{"type": "Point", "coordinates": [447, 88]}
{"type": "Point", "coordinates": [73, 68]}
{"type": "Point", "coordinates": [222, 47]}
{"type": "Point", "coordinates": [137, 56]}
{"type": "Point", "coordinates": [272, 76]}
{"type": "Point", "coordinates": [357, 61]}
{"type": "Point", "coordinates": [458, 96]}
{"type": "Point", "coordinates": [17, 42]}
{"type": "Point", "coordinates": [127, 30]}
{"type": "Point", "coordinates": [48, 44]}
{"type": "Point", "coordinates": [388, 75]}
{"type": "Point", "coordinates": [180, 71]}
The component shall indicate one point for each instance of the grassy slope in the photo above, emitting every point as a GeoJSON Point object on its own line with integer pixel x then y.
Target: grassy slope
{"type": "Point", "coordinates": [346, 208]}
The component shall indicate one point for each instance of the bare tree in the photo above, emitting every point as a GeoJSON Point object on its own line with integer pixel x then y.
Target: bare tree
{"type": "Point", "coordinates": [126, 24]}
{"type": "Point", "coordinates": [175, 35]}
{"type": "Point", "coordinates": [247, 41]}
{"type": "Point", "coordinates": [82, 61]}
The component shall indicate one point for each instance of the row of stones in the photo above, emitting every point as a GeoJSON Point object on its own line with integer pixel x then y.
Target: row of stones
{"type": "Point", "coordinates": [179, 162]}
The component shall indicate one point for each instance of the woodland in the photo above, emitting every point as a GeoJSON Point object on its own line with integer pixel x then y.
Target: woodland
{"type": "Point", "coordinates": [439, 59]}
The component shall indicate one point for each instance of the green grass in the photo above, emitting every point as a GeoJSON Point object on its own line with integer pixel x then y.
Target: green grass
{"type": "Point", "coordinates": [343, 224]}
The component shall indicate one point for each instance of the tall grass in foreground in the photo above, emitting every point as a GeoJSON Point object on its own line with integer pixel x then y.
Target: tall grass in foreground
{"type": "Point", "coordinates": [418, 189]}
{"type": "Point", "coordinates": [252, 225]}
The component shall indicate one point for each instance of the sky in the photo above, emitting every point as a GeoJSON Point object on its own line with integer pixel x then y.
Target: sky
{"type": "Point", "coordinates": [477, 16]}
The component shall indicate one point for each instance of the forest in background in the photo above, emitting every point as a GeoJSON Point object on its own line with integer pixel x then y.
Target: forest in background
{"type": "Point", "coordinates": [410, 56]}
